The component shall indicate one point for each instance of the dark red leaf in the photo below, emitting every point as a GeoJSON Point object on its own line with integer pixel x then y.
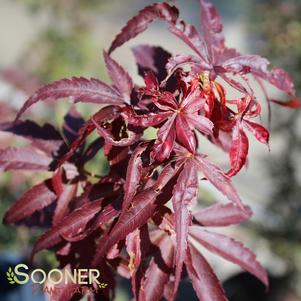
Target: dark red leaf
{"type": "Point", "coordinates": [35, 199]}
{"type": "Point", "coordinates": [157, 274]}
{"type": "Point", "coordinates": [218, 178]}
{"type": "Point", "coordinates": [184, 197]}
{"type": "Point", "coordinates": [121, 79]}
{"type": "Point", "coordinates": [152, 59]}
{"type": "Point", "coordinates": [140, 22]}
{"type": "Point", "coordinates": [239, 150]}
{"type": "Point", "coordinates": [71, 225]}
{"type": "Point", "coordinates": [165, 140]}
{"type": "Point", "coordinates": [231, 250]}
{"type": "Point", "coordinates": [63, 201]}
{"type": "Point", "coordinates": [204, 281]}
{"type": "Point", "coordinates": [77, 89]}
{"type": "Point", "coordinates": [25, 158]}
{"type": "Point", "coordinates": [45, 138]}
{"type": "Point", "coordinates": [222, 215]}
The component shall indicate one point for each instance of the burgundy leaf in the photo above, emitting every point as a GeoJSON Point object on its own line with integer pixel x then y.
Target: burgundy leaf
{"type": "Point", "coordinates": [204, 281]}
{"type": "Point", "coordinates": [133, 175]}
{"type": "Point", "coordinates": [63, 201]}
{"type": "Point", "coordinates": [73, 122]}
{"type": "Point", "coordinates": [231, 250]}
{"type": "Point", "coordinates": [239, 149]}
{"type": "Point", "coordinates": [25, 158]}
{"type": "Point", "coordinates": [157, 274]}
{"type": "Point", "coordinates": [217, 177]}
{"type": "Point", "coordinates": [222, 215]}
{"type": "Point", "coordinates": [109, 138]}
{"type": "Point", "coordinates": [165, 140]}
{"type": "Point", "coordinates": [184, 197]}
{"type": "Point", "coordinates": [35, 199]}
{"type": "Point", "coordinates": [133, 247]}
{"type": "Point", "coordinates": [142, 208]}
{"type": "Point", "coordinates": [77, 89]}
{"type": "Point", "coordinates": [120, 78]}
{"type": "Point", "coordinates": [45, 138]}
{"type": "Point", "coordinates": [140, 22]}
{"type": "Point", "coordinates": [189, 35]}
{"type": "Point", "coordinates": [152, 59]}
{"type": "Point", "coordinates": [71, 225]}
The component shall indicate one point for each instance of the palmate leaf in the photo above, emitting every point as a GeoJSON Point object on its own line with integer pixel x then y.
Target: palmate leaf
{"type": "Point", "coordinates": [140, 22]}
{"type": "Point", "coordinates": [143, 206]}
{"type": "Point", "coordinates": [35, 199]}
{"type": "Point", "coordinates": [184, 196]}
{"type": "Point", "coordinates": [77, 89]}
{"type": "Point", "coordinates": [231, 250]}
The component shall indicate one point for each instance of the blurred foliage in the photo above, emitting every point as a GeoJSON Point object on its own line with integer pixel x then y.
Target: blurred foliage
{"type": "Point", "coordinates": [277, 23]}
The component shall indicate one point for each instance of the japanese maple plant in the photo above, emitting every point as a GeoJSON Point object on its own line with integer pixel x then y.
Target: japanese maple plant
{"type": "Point", "coordinates": [140, 219]}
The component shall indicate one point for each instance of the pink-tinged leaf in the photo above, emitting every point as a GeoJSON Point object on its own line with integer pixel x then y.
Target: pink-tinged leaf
{"type": "Point", "coordinates": [133, 175]}
{"type": "Point", "coordinates": [184, 197]}
{"type": "Point", "coordinates": [77, 89]}
{"type": "Point", "coordinates": [151, 59]}
{"type": "Point", "coordinates": [35, 199]}
{"type": "Point", "coordinates": [189, 35]}
{"type": "Point", "coordinates": [246, 64]}
{"type": "Point", "coordinates": [231, 250]}
{"type": "Point", "coordinates": [222, 215]}
{"type": "Point", "coordinates": [25, 158]}
{"type": "Point", "coordinates": [212, 29]}
{"type": "Point", "coordinates": [217, 177]}
{"type": "Point", "coordinates": [280, 79]}
{"type": "Point", "coordinates": [120, 78]}
{"type": "Point", "coordinates": [71, 225]}
{"type": "Point", "coordinates": [185, 135]}
{"type": "Point", "coordinates": [157, 274]}
{"type": "Point", "coordinates": [204, 280]}
{"type": "Point", "coordinates": [239, 150]}
{"type": "Point", "coordinates": [166, 137]}
{"type": "Point", "coordinates": [63, 201]}
{"type": "Point", "coordinates": [141, 21]}
{"type": "Point", "coordinates": [260, 133]}
{"type": "Point", "coordinates": [293, 103]}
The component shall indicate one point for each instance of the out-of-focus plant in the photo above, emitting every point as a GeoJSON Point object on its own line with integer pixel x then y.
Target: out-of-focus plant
{"type": "Point", "coordinates": [138, 219]}
{"type": "Point", "coordinates": [278, 25]}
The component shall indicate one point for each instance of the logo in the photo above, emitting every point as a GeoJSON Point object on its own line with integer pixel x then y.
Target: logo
{"type": "Point", "coordinates": [55, 279]}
